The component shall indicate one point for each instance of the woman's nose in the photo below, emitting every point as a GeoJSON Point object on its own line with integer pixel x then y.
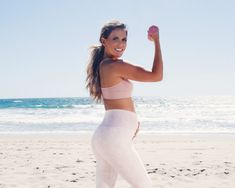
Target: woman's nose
{"type": "Point", "coordinates": [122, 44]}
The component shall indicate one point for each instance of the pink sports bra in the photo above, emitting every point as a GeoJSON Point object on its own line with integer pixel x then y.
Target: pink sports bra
{"type": "Point", "coordinates": [121, 90]}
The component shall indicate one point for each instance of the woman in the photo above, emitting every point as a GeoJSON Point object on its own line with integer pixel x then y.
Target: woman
{"type": "Point", "coordinates": [108, 81]}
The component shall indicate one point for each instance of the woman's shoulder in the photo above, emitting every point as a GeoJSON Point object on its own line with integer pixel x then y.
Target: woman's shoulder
{"type": "Point", "coordinates": [118, 66]}
{"type": "Point", "coordinates": [109, 62]}
{"type": "Point", "coordinates": [121, 64]}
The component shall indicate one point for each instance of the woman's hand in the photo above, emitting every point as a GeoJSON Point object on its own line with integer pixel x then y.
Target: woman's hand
{"type": "Point", "coordinates": [153, 33]}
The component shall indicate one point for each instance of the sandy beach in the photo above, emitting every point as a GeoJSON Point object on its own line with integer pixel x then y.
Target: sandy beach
{"type": "Point", "coordinates": [66, 160]}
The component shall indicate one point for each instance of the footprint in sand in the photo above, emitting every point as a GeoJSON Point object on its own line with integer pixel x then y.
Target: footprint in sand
{"type": "Point", "coordinates": [79, 161]}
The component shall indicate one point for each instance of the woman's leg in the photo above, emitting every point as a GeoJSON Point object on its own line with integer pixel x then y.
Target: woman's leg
{"type": "Point", "coordinates": [112, 142]}
{"type": "Point", "coordinates": [106, 175]}
{"type": "Point", "coordinates": [128, 164]}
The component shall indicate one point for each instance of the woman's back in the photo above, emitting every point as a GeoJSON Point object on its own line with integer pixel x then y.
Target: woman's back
{"type": "Point", "coordinates": [116, 91]}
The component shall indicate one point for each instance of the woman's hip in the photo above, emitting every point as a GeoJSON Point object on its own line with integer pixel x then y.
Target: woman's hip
{"type": "Point", "coordinates": [117, 125]}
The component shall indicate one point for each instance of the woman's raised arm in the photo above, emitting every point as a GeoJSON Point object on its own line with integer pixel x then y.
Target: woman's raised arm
{"type": "Point", "coordinates": [138, 73]}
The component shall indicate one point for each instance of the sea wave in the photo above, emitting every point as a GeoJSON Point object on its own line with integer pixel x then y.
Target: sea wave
{"type": "Point", "coordinates": [198, 114]}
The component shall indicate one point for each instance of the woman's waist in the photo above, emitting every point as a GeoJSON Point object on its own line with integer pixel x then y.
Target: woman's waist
{"type": "Point", "coordinates": [123, 104]}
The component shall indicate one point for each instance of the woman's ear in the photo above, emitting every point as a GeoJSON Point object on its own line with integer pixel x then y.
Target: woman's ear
{"type": "Point", "coordinates": [103, 41]}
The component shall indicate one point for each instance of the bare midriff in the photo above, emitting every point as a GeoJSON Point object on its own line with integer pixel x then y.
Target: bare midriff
{"type": "Point", "coordinates": [123, 104]}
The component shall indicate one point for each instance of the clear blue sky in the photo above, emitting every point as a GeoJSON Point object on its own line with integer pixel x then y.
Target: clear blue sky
{"type": "Point", "coordinates": [44, 45]}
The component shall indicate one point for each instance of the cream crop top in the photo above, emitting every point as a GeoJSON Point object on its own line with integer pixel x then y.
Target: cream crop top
{"type": "Point", "coordinates": [121, 90]}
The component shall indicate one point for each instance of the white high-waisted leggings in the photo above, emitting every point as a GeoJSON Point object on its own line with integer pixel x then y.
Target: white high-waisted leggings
{"type": "Point", "coordinates": [115, 153]}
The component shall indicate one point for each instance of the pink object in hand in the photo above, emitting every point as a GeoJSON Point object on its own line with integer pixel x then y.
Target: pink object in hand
{"type": "Point", "coordinates": [152, 29]}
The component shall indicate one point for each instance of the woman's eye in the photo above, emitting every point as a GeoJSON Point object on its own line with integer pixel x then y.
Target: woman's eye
{"type": "Point", "coordinates": [116, 39]}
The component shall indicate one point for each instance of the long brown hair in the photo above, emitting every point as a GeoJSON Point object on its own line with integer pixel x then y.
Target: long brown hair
{"type": "Point", "coordinates": [96, 56]}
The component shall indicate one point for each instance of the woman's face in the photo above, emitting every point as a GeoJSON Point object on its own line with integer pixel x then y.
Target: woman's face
{"type": "Point", "coordinates": [115, 44]}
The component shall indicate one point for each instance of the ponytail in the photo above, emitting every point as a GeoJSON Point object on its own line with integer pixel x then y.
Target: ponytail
{"type": "Point", "coordinates": [93, 75]}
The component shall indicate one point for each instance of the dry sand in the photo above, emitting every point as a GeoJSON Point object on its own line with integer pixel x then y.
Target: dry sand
{"type": "Point", "coordinates": [66, 160]}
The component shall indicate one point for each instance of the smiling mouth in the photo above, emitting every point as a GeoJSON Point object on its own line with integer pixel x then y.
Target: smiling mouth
{"type": "Point", "coordinates": [118, 49]}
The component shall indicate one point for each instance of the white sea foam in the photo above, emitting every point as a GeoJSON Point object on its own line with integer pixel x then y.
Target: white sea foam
{"type": "Point", "coordinates": [17, 101]}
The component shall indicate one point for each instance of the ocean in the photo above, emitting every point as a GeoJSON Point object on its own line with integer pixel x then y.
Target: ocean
{"type": "Point", "coordinates": [205, 114]}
